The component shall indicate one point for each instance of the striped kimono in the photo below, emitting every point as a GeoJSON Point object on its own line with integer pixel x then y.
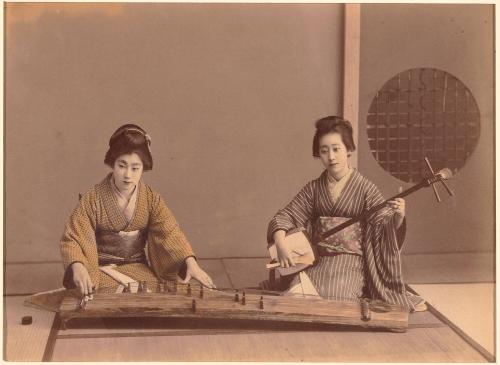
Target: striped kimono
{"type": "Point", "coordinates": [376, 273]}
{"type": "Point", "coordinates": [98, 210]}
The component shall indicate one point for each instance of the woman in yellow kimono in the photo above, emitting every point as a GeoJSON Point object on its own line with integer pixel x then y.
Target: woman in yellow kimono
{"type": "Point", "coordinates": [123, 222]}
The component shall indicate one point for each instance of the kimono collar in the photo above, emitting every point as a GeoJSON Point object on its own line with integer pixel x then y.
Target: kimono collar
{"type": "Point", "coordinates": [116, 215]}
{"type": "Point", "coordinates": [335, 203]}
{"type": "Point", "coordinates": [335, 186]}
{"type": "Point", "coordinates": [343, 179]}
{"type": "Point", "coordinates": [126, 204]}
{"type": "Point", "coordinates": [119, 193]}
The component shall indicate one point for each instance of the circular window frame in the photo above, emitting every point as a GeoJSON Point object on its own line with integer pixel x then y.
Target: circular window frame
{"type": "Point", "coordinates": [422, 112]}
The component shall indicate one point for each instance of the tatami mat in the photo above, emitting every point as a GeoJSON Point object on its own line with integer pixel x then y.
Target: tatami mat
{"type": "Point", "coordinates": [426, 340]}
{"type": "Point", "coordinates": [417, 345]}
{"type": "Point", "coordinates": [469, 306]}
{"type": "Point", "coordinates": [25, 342]}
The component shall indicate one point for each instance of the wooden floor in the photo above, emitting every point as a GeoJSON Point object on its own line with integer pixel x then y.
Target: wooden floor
{"type": "Point", "coordinates": [430, 337]}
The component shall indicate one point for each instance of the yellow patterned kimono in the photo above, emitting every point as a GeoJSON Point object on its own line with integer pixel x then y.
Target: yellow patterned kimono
{"type": "Point", "coordinates": [167, 247]}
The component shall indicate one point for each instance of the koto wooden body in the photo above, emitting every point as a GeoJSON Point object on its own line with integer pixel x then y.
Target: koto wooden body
{"type": "Point", "coordinates": [224, 305]}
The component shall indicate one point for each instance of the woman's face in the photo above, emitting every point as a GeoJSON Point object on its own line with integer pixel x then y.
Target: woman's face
{"type": "Point", "coordinates": [334, 155]}
{"type": "Point", "coordinates": [127, 172]}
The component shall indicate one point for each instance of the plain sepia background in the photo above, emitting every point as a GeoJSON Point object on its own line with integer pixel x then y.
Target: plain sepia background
{"type": "Point", "coordinates": [229, 94]}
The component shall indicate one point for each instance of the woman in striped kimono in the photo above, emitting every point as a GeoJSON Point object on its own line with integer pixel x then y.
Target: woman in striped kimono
{"type": "Point", "coordinates": [108, 230]}
{"type": "Point", "coordinates": [363, 260]}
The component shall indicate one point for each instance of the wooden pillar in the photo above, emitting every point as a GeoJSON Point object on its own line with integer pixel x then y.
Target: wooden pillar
{"type": "Point", "coordinates": [352, 26]}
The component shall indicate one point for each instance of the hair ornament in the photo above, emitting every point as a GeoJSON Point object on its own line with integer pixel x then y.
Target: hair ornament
{"type": "Point", "coordinates": [148, 140]}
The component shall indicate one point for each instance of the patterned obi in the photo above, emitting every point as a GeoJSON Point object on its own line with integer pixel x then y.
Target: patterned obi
{"type": "Point", "coordinates": [347, 240]}
{"type": "Point", "coordinates": [121, 247]}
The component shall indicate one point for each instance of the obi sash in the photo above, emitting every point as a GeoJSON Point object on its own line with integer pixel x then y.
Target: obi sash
{"type": "Point", "coordinates": [347, 240]}
{"type": "Point", "coordinates": [121, 247]}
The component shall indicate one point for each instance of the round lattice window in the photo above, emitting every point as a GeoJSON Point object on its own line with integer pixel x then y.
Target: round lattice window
{"type": "Point", "coordinates": [421, 113]}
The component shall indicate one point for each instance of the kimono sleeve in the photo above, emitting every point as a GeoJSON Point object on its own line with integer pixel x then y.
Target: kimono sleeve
{"type": "Point", "coordinates": [168, 247]}
{"type": "Point", "coordinates": [295, 215]}
{"type": "Point", "coordinates": [384, 216]}
{"type": "Point", "coordinates": [78, 242]}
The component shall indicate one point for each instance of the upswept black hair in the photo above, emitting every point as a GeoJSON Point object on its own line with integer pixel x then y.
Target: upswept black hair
{"type": "Point", "coordinates": [130, 138]}
{"type": "Point", "coordinates": [333, 124]}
